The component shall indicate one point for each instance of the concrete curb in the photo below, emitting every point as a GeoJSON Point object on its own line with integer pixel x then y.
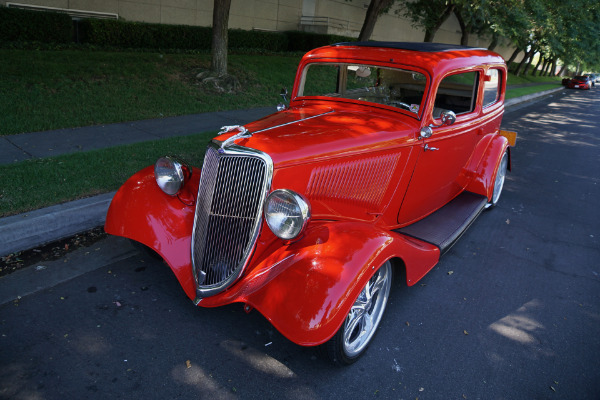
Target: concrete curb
{"type": "Point", "coordinates": [35, 228]}
{"type": "Point", "coordinates": [29, 230]}
{"type": "Point", "coordinates": [530, 97]}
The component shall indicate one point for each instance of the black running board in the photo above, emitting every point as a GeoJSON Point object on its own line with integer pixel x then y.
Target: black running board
{"type": "Point", "coordinates": [445, 226]}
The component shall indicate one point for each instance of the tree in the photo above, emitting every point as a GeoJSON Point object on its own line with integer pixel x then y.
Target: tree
{"type": "Point", "coordinates": [429, 15]}
{"type": "Point", "coordinates": [376, 8]}
{"type": "Point", "coordinates": [473, 18]}
{"type": "Point", "coordinates": [220, 37]}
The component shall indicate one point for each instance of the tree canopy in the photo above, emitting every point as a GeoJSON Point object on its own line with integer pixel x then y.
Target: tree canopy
{"type": "Point", "coordinates": [559, 31]}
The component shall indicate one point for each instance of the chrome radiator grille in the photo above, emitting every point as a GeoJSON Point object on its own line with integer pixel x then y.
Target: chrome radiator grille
{"type": "Point", "coordinates": [232, 189]}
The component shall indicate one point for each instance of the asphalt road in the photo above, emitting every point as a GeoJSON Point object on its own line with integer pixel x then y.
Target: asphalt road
{"type": "Point", "coordinates": [511, 312]}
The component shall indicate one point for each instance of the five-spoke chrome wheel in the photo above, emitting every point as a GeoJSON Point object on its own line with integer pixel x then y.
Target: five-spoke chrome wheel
{"type": "Point", "coordinates": [352, 339]}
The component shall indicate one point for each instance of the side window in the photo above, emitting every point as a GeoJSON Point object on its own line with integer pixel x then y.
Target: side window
{"type": "Point", "coordinates": [457, 93]}
{"type": "Point", "coordinates": [491, 87]}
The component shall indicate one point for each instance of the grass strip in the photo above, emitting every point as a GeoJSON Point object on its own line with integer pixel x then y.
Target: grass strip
{"type": "Point", "coordinates": [523, 91]}
{"type": "Point", "coordinates": [34, 184]}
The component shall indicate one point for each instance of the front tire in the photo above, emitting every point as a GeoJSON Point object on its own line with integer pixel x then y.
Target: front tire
{"type": "Point", "coordinates": [352, 339]}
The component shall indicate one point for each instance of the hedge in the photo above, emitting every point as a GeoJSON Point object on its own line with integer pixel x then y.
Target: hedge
{"type": "Point", "coordinates": [21, 25]}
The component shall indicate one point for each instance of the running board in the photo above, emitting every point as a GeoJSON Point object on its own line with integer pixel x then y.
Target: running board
{"type": "Point", "coordinates": [445, 226]}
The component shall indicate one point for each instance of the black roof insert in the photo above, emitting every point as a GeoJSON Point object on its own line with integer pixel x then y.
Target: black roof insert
{"type": "Point", "coordinates": [414, 46]}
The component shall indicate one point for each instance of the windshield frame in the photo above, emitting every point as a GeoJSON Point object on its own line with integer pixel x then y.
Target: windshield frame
{"type": "Point", "coordinates": [411, 69]}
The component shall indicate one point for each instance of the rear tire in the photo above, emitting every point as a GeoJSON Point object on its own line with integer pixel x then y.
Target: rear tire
{"type": "Point", "coordinates": [354, 336]}
{"type": "Point", "coordinates": [499, 181]}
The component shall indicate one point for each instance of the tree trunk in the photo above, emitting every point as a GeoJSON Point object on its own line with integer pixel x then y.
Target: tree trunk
{"type": "Point", "coordinates": [528, 64]}
{"type": "Point", "coordinates": [562, 70]}
{"type": "Point", "coordinates": [220, 37]}
{"type": "Point", "coordinates": [522, 63]}
{"type": "Point", "coordinates": [552, 71]}
{"type": "Point", "coordinates": [535, 70]}
{"type": "Point", "coordinates": [494, 42]}
{"type": "Point", "coordinates": [465, 29]}
{"type": "Point", "coordinates": [376, 7]}
{"type": "Point", "coordinates": [512, 57]}
{"type": "Point", "coordinates": [430, 33]}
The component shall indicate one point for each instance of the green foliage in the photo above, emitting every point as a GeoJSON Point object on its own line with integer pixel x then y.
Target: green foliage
{"type": "Point", "coordinates": [23, 25]}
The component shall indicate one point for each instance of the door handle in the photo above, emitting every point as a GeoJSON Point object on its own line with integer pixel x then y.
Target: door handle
{"type": "Point", "coordinates": [430, 148]}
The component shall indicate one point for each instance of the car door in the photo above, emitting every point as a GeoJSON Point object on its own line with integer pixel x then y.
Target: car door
{"type": "Point", "coordinates": [446, 152]}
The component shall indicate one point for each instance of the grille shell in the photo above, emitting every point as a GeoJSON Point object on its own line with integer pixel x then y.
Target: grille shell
{"type": "Point", "coordinates": [233, 186]}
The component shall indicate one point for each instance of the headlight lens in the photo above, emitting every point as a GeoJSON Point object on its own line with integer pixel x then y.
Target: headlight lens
{"type": "Point", "coordinates": [286, 213]}
{"type": "Point", "coordinates": [169, 174]}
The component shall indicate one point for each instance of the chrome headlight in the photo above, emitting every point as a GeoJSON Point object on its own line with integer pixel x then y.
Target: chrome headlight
{"type": "Point", "coordinates": [170, 174]}
{"type": "Point", "coordinates": [286, 213]}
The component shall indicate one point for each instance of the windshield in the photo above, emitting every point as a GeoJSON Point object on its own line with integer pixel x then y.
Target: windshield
{"type": "Point", "coordinates": [369, 83]}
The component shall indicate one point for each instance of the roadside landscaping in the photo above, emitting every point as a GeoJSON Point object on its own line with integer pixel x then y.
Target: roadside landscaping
{"type": "Point", "coordinates": [42, 90]}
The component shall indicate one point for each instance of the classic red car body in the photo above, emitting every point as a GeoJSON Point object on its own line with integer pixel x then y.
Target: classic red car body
{"type": "Point", "coordinates": [368, 174]}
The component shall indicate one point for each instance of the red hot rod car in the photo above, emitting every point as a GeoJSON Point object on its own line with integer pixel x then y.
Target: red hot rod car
{"type": "Point", "coordinates": [385, 155]}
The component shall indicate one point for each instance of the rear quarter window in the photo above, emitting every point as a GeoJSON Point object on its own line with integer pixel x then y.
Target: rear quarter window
{"type": "Point", "coordinates": [491, 87]}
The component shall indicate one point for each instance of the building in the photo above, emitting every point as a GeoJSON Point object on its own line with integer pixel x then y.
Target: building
{"type": "Point", "coordinates": [341, 17]}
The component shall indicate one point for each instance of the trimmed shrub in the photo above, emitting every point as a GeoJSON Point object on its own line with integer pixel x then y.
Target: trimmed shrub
{"type": "Point", "coordinates": [144, 35]}
{"type": "Point", "coordinates": [305, 41]}
{"type": "Point", "coordinates": [18, 25]}
{"type": "Point", "coordinates": [269, 41]}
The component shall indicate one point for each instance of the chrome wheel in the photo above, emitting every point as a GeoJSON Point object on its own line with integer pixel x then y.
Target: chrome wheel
{"type": "Point", "coordinates": [499, 181]}
{"type": "Point", "coordinates": [352, 339]}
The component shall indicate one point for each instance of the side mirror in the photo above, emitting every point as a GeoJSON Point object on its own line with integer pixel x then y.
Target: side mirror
{"type": "Point", "coordinates": [283, 94]}
{"type": "Point", "coordinates": [448, 118]}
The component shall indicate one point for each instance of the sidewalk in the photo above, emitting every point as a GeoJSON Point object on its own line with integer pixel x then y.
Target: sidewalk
{"type": "Point", "coordinates": [32, 229]}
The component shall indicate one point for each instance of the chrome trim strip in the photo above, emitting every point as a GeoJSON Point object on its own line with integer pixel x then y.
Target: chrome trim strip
{"type": "Point", "coordinates": [291, 122]}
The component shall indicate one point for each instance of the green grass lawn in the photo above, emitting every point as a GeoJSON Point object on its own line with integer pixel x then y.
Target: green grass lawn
{"type": "Point", "coordinates": [43, 90]}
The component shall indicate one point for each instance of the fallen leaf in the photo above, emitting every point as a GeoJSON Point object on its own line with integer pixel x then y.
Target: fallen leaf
{"type": "Point", "coordinates": [407, 323]}
{"type": "Point", "coordinates": [188, 364]}
{"type": "Point", "coordinates": [450, 272]}
{"type": "Point", "coordinates": [508, 222]}
{"type": "Point", "coordinates": [551, 387]}
{"type": "Point", "coordinates": [465, 332]}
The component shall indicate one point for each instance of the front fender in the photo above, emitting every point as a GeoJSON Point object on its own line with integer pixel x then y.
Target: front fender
{"type": "Point", "coordinates": [142, 212]}
{"type": "Point", "coordinates": [307, 288]}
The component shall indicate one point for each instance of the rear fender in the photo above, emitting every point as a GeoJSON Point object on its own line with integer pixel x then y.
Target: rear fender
{"type": "Point", "coordinates": [307, 288]}
{"type": "Point", "coordinates": [142, 212]}
{"type": "Point", "coordinates": [483, 177]}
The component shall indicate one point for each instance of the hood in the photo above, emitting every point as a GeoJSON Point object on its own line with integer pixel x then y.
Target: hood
{"type": "Point", "coordinates": [311, 134]}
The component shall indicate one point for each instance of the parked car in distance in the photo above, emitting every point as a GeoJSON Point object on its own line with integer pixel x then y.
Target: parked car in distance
{"type": "Point", "coordinates": [580, 82]}
{"type": "Point", "coordinates": [565, 81]}
{"type": "Point", "coordinates": [385, 155]}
